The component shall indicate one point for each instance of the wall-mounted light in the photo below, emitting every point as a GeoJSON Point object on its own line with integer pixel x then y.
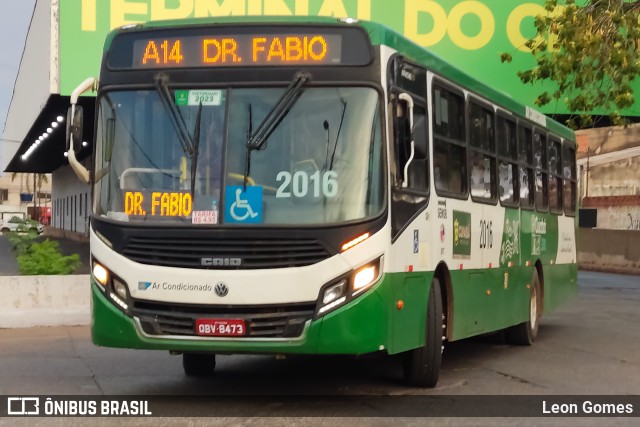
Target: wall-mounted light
{"type": "Point", "coordinates": [34, 145]}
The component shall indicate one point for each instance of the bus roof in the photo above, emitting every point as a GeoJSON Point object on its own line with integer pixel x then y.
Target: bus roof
{"type": "Point", "coordinates": [379, 35]}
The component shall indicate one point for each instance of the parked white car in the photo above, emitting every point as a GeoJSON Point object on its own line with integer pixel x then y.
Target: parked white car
{"type": "Point", "coordinates": [21, 225]}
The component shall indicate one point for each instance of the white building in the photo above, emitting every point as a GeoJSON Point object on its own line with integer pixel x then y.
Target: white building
{"type": "Point", "coordinates": [37, 116]}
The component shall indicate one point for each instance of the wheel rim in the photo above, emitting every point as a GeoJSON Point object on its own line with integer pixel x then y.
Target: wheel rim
{"type": "Point", "coordinates": [533, 309]}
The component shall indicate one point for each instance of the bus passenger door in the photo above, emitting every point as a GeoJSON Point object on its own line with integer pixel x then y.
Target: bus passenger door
{"type": "Point", "coordinates": [409, 198]}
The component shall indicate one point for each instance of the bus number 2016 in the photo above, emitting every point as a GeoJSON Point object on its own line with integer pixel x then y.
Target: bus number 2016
{"type": "Point", "coordinates": [301, 183]}
{"type": "Point", "coordinates": [486, 234]}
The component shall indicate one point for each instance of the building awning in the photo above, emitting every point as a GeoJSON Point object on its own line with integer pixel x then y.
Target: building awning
{"type": "Point", "coordinates": [46, 155]}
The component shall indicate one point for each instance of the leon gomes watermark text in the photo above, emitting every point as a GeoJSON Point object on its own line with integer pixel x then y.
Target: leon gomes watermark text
{"type": "Point", "coordinates": [586, 407]}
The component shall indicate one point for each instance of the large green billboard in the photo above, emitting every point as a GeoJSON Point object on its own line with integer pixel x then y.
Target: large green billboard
{"type": "Point", "coordinates": [469, 34]}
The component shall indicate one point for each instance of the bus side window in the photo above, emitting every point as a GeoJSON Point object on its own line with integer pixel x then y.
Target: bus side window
{"type": "Point", "coordinates": [401, 138]}
{"type": "Point", "coordinates": [555, 177]}
{"type": "Point", "coordinates": [541, 165]}
{"type": "Point", "coordinates": [526, 166]}
{"type": "Point", "coordinates": [482, 152]}
{"type": "Point", "coordinates": [570, 181]}
{"type": "Point", "coordinates": [418, 170]}
{"type": "Point", "coordinates": [449, 142]}
{"type": "Point", "coordinates": [508, 161]}
{"type": "Point", "coordinates": [403, 135]}
{"type": "Point", "coordinates": [410, 191]}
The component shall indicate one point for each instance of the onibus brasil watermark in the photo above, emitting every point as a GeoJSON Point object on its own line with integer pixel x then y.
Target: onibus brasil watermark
{"type": "Point", "coordinates": [57, 406]}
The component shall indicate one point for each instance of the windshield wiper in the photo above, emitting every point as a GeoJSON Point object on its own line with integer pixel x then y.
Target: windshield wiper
{"type": "Point", "coordinates": [256, 140]}
{"type": "Point", "coordinates": [195, 150]}
{"type": "Point", "coordinates": [279, 111]}
{"type": "Point", "coordinates": [161, 81]}
{"type": "Point", "coordinates": [247, 160]}
{"type": "Point", "coordinates": [335, 145]}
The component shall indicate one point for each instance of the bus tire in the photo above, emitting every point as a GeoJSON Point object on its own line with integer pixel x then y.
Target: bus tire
{"type": "Point", "coordinates": [422, 365]}
{"type": "Point", "coordinates": [526, 333]}
{"type": "Point", "coordinates": [198, 364]}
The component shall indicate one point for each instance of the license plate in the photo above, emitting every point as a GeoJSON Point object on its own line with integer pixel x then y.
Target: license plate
{"type": "Point", "coordinates": [220, 327]}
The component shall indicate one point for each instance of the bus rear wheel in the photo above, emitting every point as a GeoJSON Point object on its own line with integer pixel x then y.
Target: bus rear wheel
{"type": "Point", "coordinates": [198, 364]}
{"type": "Point", "coordinates": [526, 333]}
{"type": "Point", "coordinates": [422, 365]}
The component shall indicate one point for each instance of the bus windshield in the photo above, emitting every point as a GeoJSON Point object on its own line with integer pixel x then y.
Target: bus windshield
{"type": "Point", "coordinates": [186, 162]}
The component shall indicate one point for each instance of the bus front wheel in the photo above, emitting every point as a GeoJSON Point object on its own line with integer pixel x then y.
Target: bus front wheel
{"type": "Point", "coordinates": [526, 333]}
{"type": "Point", "coordinates": [198, 364]}
{"type": "Point", "coordinates": [422, 365]}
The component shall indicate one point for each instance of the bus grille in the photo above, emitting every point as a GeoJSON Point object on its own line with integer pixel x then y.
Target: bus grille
{"type": "Point", "coordinates": [284, 321]}
{"type": "Point", "coordinates": [244, 254]}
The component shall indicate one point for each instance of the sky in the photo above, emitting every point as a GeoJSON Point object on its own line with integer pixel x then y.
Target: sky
{"type": "Point", "coordinates": [15, 16]}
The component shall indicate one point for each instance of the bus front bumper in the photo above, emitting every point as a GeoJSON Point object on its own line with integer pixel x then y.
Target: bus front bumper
{"type": "Point", "coordinates": [359, 327]}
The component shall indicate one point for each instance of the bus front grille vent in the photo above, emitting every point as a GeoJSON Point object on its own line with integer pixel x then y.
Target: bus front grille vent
{"type": "Point", "coordinates": [227, 254]}
{"type": "Point", "coordinates": [286, 321]}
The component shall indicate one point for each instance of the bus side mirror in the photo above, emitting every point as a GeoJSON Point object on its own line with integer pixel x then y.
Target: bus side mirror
{"type": "Point", "coordinates": [74, 127]}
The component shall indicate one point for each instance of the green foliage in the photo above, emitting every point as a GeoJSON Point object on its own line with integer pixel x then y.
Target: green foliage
{"type": "Point", "coordinates": [590, 52]}
{"type": "Point", "coordinates": [21, 242]}
{"type": "Point", "coordinates": [45, 258]}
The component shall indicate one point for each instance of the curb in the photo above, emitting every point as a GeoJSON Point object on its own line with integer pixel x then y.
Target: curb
{"type": "Point", "coordinates": [30, 301]}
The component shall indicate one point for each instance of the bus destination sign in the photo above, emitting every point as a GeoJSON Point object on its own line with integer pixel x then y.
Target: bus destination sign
{"type": "Point", "coordinates": [228, 47]}
{"type": "Point", "coordinates": [239, 50]}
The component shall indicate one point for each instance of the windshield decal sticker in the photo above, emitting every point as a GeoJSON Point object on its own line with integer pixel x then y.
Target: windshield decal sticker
{"type": "Point", "coordinates": [243, 206]}
{"type": "Point", "coordinates": [204, 217]}
{"type": "Point", "coordinates": [196, 97]}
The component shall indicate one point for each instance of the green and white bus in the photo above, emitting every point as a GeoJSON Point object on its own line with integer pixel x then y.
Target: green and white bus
{"type": "Point", "coordinates": [316, 186]}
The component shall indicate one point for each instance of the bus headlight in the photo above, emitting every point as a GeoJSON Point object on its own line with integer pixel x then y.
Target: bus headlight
{"type": "Point", "coordinates": [345, 288]}
{"type": "Point", "coordinates": [114, 288]}
{"type": "Point", "coordinates": [334, 292]}
{"type": "Point", "coordinates": [364, 277]}
{"type": "Point", "coordinates": [120, 288]}
{"type": "Point", "coordinates": [100, 274]}
{"type": "Point", "coordinates": [119, 294]}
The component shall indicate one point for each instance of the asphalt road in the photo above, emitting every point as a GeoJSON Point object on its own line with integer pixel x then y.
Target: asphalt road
{"type": "Point", "coordinates": [591, 346]}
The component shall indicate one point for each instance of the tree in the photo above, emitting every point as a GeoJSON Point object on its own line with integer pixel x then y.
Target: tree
{"type": "Point", "coordinates": [589, 53]}
{"type": "Point", "coordinates": [38, 180]}
{"type": "Point", "coordinates": [14, 175]}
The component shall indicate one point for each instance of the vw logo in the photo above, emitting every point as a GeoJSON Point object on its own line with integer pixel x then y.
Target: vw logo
{"type": "Point", "coordinates": [221, 289]}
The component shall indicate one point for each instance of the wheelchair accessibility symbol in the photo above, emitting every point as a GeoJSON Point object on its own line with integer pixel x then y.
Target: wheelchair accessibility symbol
{"type": "Point", "coordinates": [243, 206]}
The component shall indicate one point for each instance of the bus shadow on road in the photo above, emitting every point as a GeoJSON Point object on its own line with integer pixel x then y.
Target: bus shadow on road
{"type": "Point", "coordinates": [245, 375]}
